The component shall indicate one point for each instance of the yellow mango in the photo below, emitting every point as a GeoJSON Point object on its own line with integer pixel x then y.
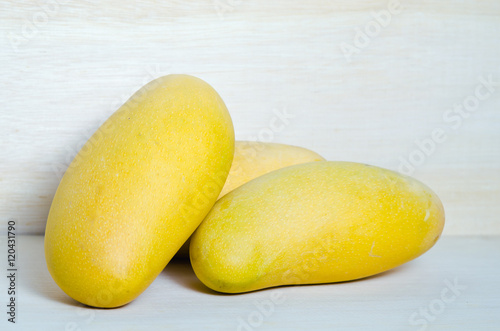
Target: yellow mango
{"type": "Point", "coordinates": [253, 159]}
{"type": "Point", "coordinates": [319, 222]}
{"type": "Point", "coordinates": [137, 190]}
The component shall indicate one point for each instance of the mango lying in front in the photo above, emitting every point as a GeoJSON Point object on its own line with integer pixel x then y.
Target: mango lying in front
{"type": "Point", "coordinates": [137, 190]}
{"type": "Point", "coordinates": [317, 222]}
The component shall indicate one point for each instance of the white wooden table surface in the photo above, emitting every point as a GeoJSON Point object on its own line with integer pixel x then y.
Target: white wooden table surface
{"type": "Point", "coordinates": [407, 298]}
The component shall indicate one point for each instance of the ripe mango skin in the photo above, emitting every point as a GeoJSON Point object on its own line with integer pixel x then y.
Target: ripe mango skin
{"type": "Point", "coordinates": [137, 190]}
{"type": "Point", "coordinates": [253, 159]}
{"type": "Point", "coordinates": [319, 222]}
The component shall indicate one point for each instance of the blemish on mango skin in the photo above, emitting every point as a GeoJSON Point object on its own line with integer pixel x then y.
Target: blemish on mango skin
{"type": "Point", "coordinates": [371, 251]}
{"type": "Point", "coordinates": [319, 222]}
{"type": "Point", "coordinates": [427, 214]}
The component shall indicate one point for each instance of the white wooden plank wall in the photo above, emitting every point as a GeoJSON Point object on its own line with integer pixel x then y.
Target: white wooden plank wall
{"type": "Point", "coordinates": [66, 65]}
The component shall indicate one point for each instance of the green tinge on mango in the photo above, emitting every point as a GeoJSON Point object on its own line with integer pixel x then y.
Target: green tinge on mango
{"type": "Point", "coordinates": [253, 159]}
{"type": "Point", "coordinates": [318, 222]}
{"type": "Point", "coordinates": [137, 190]}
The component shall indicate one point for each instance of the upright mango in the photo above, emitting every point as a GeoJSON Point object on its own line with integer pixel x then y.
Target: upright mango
{"type": "Point", "coordinates": [137, 190]}
{"type": "Point", "coordinates": [318, 222]}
